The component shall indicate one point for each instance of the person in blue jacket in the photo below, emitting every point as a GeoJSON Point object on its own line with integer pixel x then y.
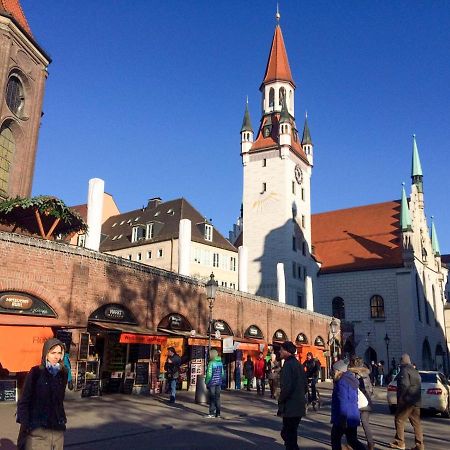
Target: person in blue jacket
{"type": "Point", "coordinates": [344, 408]}
{"type": "Point", "coordinates": [214, 376]}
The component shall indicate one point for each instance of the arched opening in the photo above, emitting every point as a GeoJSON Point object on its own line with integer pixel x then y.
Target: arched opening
{"type": "Point", "coordinates": [114, 313]}
{"type": "Point", "coordinates": [319, 341]}
{"type": "Point", "coordinates": [439, 358]}
{"type": "Point", "coordinates": [370, 355]}
{"type": "Point", "coordinates": [338, 307]}
{"type": "Point", "coordinates": [427, 359]}
{"type": "Point", "coordinates": [377, 307]}
{"type": "Point", "coordinates": [302, 339]}
{"type": "Point", "coordinates": [271, 97]}
{"type": "Point", "coordinates": [222, 327]}
{"type": "Point", "coordinates": [279, 336]}
{"type": "Point", "coordinates": [282, 95]}
{"type": "Point", "coordinates": [175, 321]}
{"type": "Point", "coordinates": [7, 149]}
{"type": "Point", "coordinates": [254, 332]}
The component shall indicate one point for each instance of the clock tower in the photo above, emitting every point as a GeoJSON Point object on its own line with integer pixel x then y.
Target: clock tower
{"type": "Point", "coordinates": [277, 167]}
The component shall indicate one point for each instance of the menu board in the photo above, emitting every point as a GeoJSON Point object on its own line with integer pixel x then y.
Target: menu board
{"type": "Point", "coordinates": [128, 386]}
{"type": "Point", "coordinates": [8, 390]}
{"type": "Point", "coordinates": [84, 346]}
{"type": "Point", "coordinates": [81, 374]}
{"type": "Point", "coordinates": [141, 371]}
{"type": "Point", "coordinates": [91, 388]}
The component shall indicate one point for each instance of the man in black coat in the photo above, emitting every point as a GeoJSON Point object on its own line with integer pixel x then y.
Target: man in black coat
{"type": "Point", "coordinates": [172, 368]}
{"type": "Point", "coordinates": [291, 402]}
{"type": "Point", "coordinates": [408, 404]}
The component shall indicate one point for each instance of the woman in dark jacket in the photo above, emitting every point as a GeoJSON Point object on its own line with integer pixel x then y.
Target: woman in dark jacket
{"type": "Point", "coordinates": [40, 410]}
{"type": "Point", "coordinates": [362, 374]}
{"type": "Point", "coordinates": [344, 408]}
{"type": "Point", "coordinates": [249, 371]}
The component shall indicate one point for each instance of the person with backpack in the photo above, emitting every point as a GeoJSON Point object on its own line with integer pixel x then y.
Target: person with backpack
{"type": "Point", "coordinates": [214, 376]}
{"type": "Point", "coordinates": [40, 410]}
{"type": "Point", "coordinates": [362, 374]}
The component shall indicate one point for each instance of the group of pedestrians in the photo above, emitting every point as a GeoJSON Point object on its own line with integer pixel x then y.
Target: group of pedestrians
{"type": "Point", "coordinates": [377, 375]}
{"type": "Point", "coordinates": [264, 368]}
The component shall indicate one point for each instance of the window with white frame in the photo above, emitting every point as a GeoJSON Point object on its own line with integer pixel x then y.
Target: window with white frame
{"type": "Point", "coordinates": [138, 233]}
{"type": "Point", "coordinates": [150, 231]}
{"type": "Point", "coordinates": [233, 264]}
{"type": "Point", "coordinates": [129, 257]}
{"type": "Point", "coordinates": [81, 240]}
{"type": "Point", "coordinates": [208, 232]}
{"type": "Point", "coordinates": [139, 257]}
{"type": "Point", "coordinates": [215, 260]}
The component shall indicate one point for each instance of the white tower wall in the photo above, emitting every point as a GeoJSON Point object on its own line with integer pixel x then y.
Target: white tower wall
{"type": "Point", "coordinates": [243, 268]}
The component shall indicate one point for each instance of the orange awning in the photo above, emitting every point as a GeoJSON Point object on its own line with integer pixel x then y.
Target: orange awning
{"type": "Point", "coordinates": [21, 347]}
{"type": "Point", "coordinates": [317, 352]}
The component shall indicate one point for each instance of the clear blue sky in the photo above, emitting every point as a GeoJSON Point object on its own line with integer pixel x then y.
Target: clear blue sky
{"type": "Point", "coordinates": [149, 95]}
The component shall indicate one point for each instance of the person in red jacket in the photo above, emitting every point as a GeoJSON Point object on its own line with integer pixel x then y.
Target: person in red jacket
{"type": "Point", "coordinates": [260, 374]}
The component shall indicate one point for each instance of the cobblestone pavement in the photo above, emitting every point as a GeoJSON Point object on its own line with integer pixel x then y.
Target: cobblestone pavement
{"type": "Point", "coordinates": [117, 422]}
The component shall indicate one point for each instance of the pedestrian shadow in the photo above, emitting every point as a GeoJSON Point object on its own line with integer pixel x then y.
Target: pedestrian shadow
{"type": "Point", "coordinates": [7, 444]}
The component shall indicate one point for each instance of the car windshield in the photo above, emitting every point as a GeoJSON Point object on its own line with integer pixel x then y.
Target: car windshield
{"type": "Point", "coordinates": [428, 377]}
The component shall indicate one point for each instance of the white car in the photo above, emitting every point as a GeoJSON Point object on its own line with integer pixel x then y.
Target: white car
{"type": "Point", "coordinates": [435, 393]}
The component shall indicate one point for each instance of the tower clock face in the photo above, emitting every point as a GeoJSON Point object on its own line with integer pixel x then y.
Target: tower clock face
{"type": "Point", "coordinates": [298, 174]}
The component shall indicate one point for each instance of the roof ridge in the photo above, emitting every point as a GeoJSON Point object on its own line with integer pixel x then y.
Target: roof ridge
{"type": "Point", "coordinates": [357, 207]}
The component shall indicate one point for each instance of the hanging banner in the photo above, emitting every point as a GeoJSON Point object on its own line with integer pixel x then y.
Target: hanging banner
{"type": "Point", "coordinates": [131, 338]}
{"type": "Point", "coordinates": [228, 345]}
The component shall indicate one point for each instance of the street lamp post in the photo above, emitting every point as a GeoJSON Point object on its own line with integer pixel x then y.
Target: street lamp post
{"type": "Point", "coordinates": [334, 330]}
{"type": "Point", "coordinates": [387, 340]}
{"type": "Point", "coordinates": [211, 287]}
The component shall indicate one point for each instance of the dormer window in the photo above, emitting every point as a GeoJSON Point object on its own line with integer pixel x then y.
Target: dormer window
{"type": "Point", "coordinates": [208, 232]}
{"type": "Point", "coordinates": [81, 241]}
{"type": "Point", "coordinates": [150, 231]}
{"type": "Point", "coordinates": [266, 132]}
{"type": "Point", "coordinates": [138, 233]}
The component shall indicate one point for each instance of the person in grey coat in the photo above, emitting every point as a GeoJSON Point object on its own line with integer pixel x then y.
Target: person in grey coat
{"type": "Point", "coordinates": [408, 404]}
{"type": "Point", "coordinates": [362, 374]}
{"type": "Point", "coordinates": [291, 402]}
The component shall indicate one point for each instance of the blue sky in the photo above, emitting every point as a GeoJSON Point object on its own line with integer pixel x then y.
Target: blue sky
{"type": "Point", "coordinates": [149, 96]}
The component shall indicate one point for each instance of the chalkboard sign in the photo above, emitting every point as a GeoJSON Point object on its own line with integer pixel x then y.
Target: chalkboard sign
{"type": "Point", "coordinates": [65, 337]}
{"type": "Point", "coordinates": [8, 390]}
{"type": "Point", "coordinates": [141, 371]}
{"type": "Point", "coordinates": [113, 386]}
{"type": "Point", "coordinates": [84, 346]}
{"type": "Point", "coordinates": [81, 374]}
{"type": "Point", "coordinates": [91, 388]}
{"type": "Point", "coordinates": [128, 386]}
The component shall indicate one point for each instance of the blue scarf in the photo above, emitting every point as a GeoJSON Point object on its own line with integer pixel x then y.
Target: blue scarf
{"type": "Point", "coordinates": [53, 368]}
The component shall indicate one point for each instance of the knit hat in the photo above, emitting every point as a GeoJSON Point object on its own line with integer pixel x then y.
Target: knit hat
{"type": "Point", "coordinates": [289, 347]}
{"type": "Point", "coordinates": [405, 359]}
{"type": "Point", "coordinates": [213, 353]}
{"type": "Point", "coordinates": [341, 366]}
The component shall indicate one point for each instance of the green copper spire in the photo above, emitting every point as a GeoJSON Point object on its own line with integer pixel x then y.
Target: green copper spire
{"type": "Point", "coordinates": [434, 239]}
{"type": "Point", "coordinates": [246, 123]}
{"type": "Point", "coordinates": [405, 218]}
{"type": "Point", "coordinates": [284, 115]}
{"type": "Point", "coordinates": [306, 139]}
{"type": "Point", "coordinates": [416, 167]}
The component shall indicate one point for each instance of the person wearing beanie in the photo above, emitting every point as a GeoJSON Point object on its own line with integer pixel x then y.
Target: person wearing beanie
{"type": "Point", "coordinates": [40, 410]}
{"type": "Point", "coordinates": [291, 402]}
{"type": "Point", "coordinates": [344, 408]}
{"type": "Point", "coordinates": [172, 368]}
{"type": "Point", "coordinates": [408, 404]}
{"type": "Point", "coordinates": [214, 377]}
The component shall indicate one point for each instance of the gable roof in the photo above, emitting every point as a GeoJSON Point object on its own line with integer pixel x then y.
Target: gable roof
{"type": "Point", "coordinates": [167, 216]}
{"type": "Point", "coordinates": [13, 9]}
{"type": "Point", "coordinates": [361, 238]}
{"type": "Point", "coordinates": [278, 64]}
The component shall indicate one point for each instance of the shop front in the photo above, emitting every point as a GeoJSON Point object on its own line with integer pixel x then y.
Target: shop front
{"type": "Point", "coordinates": [317, 349]}
{"type": "Point", "coordinates": [26, 322]}
{"type": "Point", "coordinates": [116, 355]}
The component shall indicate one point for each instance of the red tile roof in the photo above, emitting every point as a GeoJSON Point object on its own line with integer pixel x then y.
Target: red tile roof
{"type": "Point", "coordinates": [13, 8]}
{"type": "Point", "coordinates": [361, 238]}
{"type": "Point", "coordinates": [262, 142]}
{"type": "Point", "coordinates": [278, 64]}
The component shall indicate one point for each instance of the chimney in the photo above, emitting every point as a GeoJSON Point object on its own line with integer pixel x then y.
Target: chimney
{"type": "Point", "coordinates": [154, 202]}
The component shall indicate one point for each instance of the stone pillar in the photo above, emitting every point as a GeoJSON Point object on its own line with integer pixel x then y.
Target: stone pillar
{"type": "Point", "coordinates": [184, 247]}
{"type": "Point", "coordinates": [281, 283]}
{"type": "Point", "coordinates": [309, 293]}
{"type": "Point", "coordinates": [94, 213]}
{"type": "Point", "coordinates": [243, 268]}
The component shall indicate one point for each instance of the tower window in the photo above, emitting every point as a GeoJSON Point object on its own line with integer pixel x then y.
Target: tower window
{"type": "Point", "coordinates": [377, 307]}
{"type": "Point", "coordinates": [303, 221]}
{"type": "Point", "coordinates": [303, 193]}
{"type": "Point", "coordinates": [299, 271]}
{"type": "Point", "coordinates": [293, 187]}
{"type": "Point", "coordinates": [299, 300]}
{"type": "Point", "coordinates": [264, 188]}
{"type": "Point", "coordinates": [294, 244]}
{"type": "Point", "coordinates": [264, 162]}
{"type": "Point", "coordinates": [15, 95]}
{"type": "Point", "coordinates": [294, 270]}
{"type": "Point", "coordinates": [271, 97]}
{"type": "Point", "coordinates": [304, 248]}
{"type": "Point", "coordinates": [282, 94]}
{"type": "Point", "coordinates": [338, 306]}
{"type": "Point", "coordinates": [7, 148]}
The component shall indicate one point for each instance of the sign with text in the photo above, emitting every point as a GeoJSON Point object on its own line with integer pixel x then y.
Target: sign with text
{"type": "Point", "coordinates": [204, 342]}
{"type": "Point", "coordinates": [131, 338]}
{"type": "Point", "coordinates": [25, 304]}
{"type": "Point", "coordinates": [8, 390]}
{"type": "Point", "coordinates": [228, 345]}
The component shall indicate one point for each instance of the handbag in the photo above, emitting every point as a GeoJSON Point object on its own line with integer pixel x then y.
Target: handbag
{"type": "Point", "coordinates": [362, 400]}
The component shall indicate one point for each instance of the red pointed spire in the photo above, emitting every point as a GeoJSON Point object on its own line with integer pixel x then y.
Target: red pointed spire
{"type": "Point", "coordinates": [278, 64]}
{"type": "Point", "coordinates": [13, 8]}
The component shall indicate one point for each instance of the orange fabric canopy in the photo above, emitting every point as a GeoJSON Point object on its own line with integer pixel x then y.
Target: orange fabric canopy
{"type": "Point", "coordinates": [21, 347]}
{"type": "Point", "coordinates": [317, 352]}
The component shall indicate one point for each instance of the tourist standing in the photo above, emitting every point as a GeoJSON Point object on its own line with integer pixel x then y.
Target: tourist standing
{"type": "Point", "coordinates": [274, 369]}
{"type": "Point", "coordinates": [249, 371]}
{"type": "Point", "coordinates": [260, 374]}
{"type": "Point", "coordinates": [344, 408]}
{"type": "Point", "coordinates": [172, 368]}
{"type": "Point", "coordinates": [312, 367]}
{"type": "Point", "coordinates": [374, 373]}
{"type": "Point", "coordinates": [40, 410]}
{"type": "Point", "coordinates": [291, 402]}
{"type": "Point", "coordinates": [214, 376]}
{"type": "Point", "coordinates": [408, 404]}
{"type": "Point", "coordinates": [381, 373]}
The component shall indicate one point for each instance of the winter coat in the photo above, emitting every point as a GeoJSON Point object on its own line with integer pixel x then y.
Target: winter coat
{"type": "Point", "coordinates": [344, 401]}
{"type": "Point", "coordinates": [363, 376]}
{"type": "Point", "coordinates": [41, 404]}
{"type": "Point", "coordinates": [291, 402]}
{"type": "Point", "coordinates": [215, 372]}
{"type": "Point", "coordinates": [249, 370]}
{"type": "Point", "coordinates": [312, 367]}
{"type": "Point", "coordinates": [408, 386]}
{"type": "Point", "coordinates": [260, 368]}
{"type": "Point", "coordinates": [274, 369]}
{"type": "Point", "coordinates": [173, 368]}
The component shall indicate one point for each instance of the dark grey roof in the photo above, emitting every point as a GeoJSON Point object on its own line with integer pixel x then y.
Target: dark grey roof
{"type": "Point", "coordinates": [246, 123]}
{"type": "Point", "coordinates": [166, 216]}
{"type": "Point", "coordinates": [306, 138]}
